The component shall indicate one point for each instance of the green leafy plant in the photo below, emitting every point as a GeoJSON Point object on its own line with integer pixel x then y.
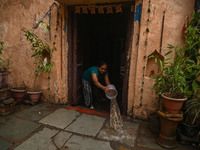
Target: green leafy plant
{"type": "Point", "coordinates": [42, 52]}
{"type": "Point", "coordinates": [171, 77]}
{"type": "Point", "coordinates": [4, 63]}
{"type": "Point", "coordinates": [193, 110]}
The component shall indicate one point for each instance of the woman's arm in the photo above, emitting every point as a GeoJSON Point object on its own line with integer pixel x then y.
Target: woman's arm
{"type": "Point", "coordinates": [107, 79]}
{"type": "Point", "coordinates": [98, 84]}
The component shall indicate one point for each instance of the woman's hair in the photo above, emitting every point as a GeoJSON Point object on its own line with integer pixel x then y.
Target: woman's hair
{"type": "Point", "coordinates": [101, 63]}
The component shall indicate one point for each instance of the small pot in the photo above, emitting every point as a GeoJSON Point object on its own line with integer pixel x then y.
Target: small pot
{"type": "Point", "coordinates": [18, 94]}
{"type": "Point", "coordinates": [189, 130]}
{"type": "Point", "coordinates": [34, 95]}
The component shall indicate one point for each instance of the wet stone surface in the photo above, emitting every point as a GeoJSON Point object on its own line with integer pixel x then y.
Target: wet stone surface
{"type": "Point", "coordinates": [40, 140]}
{"type": "Point", "coordinates": [59, 128]}
{"type": "Point", "coordinates": [127, 135]}
{"type": "Point", "coordinates": [5, 145]}
{"type": "Point", "coordinates": [86, 125]}
{"type": "Point", "coordinates": [16, 129]}
{"type": "Point", "coordinates": [36, 112]}
{"type": "Point", "coordinates": [84, 143]}
{"type": "Point", "coordinates": [61, 118]}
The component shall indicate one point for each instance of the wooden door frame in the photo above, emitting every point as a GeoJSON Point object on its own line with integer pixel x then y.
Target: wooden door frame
{"type": "Point", "coordinates": [128, 48]}
{"type": "Point", "coordinates": [70, 54]}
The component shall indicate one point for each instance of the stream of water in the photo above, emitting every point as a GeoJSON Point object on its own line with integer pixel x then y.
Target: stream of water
{"type": "Point", "coordinates": [115, 116]}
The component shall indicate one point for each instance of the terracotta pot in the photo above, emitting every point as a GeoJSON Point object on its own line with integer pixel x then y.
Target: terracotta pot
{"type": "Point", "coordinates": [154, 123]}
{"type": "Point", "coordinates": [172, 105]}
{"type": "Point", "coordinates": [168, 125]}
{"type": "Point", "coordinates": [18, 94]}
{"type": "Point", "coordinates": [34, 95]}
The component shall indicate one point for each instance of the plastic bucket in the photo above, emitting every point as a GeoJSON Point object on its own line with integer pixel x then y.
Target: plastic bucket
{"type": "Point", "coordinates": [112, 93]}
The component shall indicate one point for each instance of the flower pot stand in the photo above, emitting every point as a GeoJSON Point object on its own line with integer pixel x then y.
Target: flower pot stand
{"type": "Point", "coordinates": [7, 106]}
{"type": "Point", "coordinates": [169, 123]}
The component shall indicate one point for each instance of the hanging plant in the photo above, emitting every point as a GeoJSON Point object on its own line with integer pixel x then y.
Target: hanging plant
{"type": "Point", "coordinates": [42, 52]}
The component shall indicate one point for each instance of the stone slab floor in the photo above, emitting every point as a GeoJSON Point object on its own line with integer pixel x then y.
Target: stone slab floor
{"type": "Point", "coordinates": [56, 127]}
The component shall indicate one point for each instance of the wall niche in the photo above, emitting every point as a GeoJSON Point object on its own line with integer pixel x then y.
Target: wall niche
{"type": "Point", "coordinates": [152, 66]}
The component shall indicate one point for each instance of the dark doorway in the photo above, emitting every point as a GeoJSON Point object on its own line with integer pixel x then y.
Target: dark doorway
{"type": "Point", "coordinates": [102, 37]}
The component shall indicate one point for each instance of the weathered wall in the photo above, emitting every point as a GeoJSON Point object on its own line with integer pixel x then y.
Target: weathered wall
{"type": "Point", "coordinates": [143, 98]}
{"type": "Point", "coordinates": [19, 14]}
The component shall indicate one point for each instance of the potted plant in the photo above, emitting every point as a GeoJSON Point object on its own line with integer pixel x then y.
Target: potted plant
{"type": "Point", "coordinates": [170, 82]}
{"type": "Point", "coordinates": [4, 73]}
{"type": "Point", "coordinates": [4, 67]}
{"type": "Point", "coordinates": [42, 52]}
{"type": "Point", "coordinates": [191, 122]}
{"type": "Point", "coordinates": [170, 85]}
{"type": "Point", "coordinates": [18, 92]}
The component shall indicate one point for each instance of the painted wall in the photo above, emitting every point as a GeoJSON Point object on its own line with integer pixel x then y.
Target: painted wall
{"type": "Point", "coordinates": [142, 101]}
{"type": "Point", "coordinates": [19, 14]}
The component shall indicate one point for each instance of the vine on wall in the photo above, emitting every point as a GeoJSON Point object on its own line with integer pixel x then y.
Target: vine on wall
{"type": "Point", "coordinates": [145, 57]}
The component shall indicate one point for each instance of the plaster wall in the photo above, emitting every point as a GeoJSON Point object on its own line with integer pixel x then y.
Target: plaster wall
{"type": "Point", "coordinates": [175, 13]}
{"type": "Point", "coordinates": [19, 14]}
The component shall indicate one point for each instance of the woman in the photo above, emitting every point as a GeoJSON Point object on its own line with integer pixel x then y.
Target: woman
{"type": "Point", "coordinates": [91, 77]}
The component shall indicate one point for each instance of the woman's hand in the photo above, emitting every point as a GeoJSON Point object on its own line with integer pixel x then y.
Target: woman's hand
{"type": "Point", "coordinates": [106, 89]}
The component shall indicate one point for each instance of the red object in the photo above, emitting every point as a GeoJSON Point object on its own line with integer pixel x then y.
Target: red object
{"type": "Point", "coordinates": [172, 105]}
{"type": "Point", "coordinates": [89, 111]}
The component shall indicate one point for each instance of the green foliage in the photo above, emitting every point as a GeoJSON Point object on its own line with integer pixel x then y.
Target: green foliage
{"type": "Point", "coordinates": [171, 77]}
{"type": "Point", "coordinates": [192, 70]}
{"type": "Point", "coordinates": [192, 43]}
{"type": "Point", "coordinates": [193, 110]}
{"type": "Point", "coordinates": [4, 63]}
{"type": "Point", "coordinates": [1, 46]}
{"type": "Point", "coordinates": [42, 52]}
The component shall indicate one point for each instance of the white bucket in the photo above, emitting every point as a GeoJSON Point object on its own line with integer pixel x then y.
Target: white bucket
{"type": "Point", "coordinates": [112, 93]}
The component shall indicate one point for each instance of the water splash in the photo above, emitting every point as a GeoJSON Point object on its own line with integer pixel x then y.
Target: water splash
{"type": "Point", "coordinates": [115, 116]}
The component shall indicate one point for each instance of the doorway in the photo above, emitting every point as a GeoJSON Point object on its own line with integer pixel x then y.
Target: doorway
{"type": "Point", "coordinates": [100, 37]}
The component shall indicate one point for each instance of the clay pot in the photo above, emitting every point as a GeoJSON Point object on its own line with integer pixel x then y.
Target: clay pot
{"type": "Point", "coordinates": [168, 126]}
{"type": "Point", "coordinates": [18, 94]}
{"type": "Point", "coordinates": [172, 105]}
{"type": "Point", "coordinates": [154, 123]}
{"type": "Point", "coordinates": [34, 95]}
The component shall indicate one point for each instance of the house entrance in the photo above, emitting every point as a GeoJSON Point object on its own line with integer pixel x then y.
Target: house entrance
{"type": "Point", "coordinates": [100, 37]}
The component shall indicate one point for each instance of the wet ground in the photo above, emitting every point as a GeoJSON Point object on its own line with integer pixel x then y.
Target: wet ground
{"type": "Point", "coordinates": [61, 127]}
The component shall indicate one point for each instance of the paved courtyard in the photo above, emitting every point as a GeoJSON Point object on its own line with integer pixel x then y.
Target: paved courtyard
{"type": "Point", "coordinates": [60, 127]}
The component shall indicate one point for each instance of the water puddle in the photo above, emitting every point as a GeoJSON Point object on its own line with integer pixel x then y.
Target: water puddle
{"type": "Point", "coordinates": [116, 129]}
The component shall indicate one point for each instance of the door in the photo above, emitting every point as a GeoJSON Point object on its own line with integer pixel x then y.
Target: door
{"type": "Point", "coordinates": [75, 61]}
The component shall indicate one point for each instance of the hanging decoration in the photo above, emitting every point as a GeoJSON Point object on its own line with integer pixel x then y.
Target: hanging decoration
{"type": "Point", "coordinates": [118, 9]}
{"type": "Point", "coordinates": [98, 9]}
{"type": "Point", "coordinates": [77, 10]}
{"type": "Point", "coordinates": [92, 9]}
{"type": "Point", "coordinates": [84, 10]}
{"type": "Point", "coordinates": [109, 9]}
